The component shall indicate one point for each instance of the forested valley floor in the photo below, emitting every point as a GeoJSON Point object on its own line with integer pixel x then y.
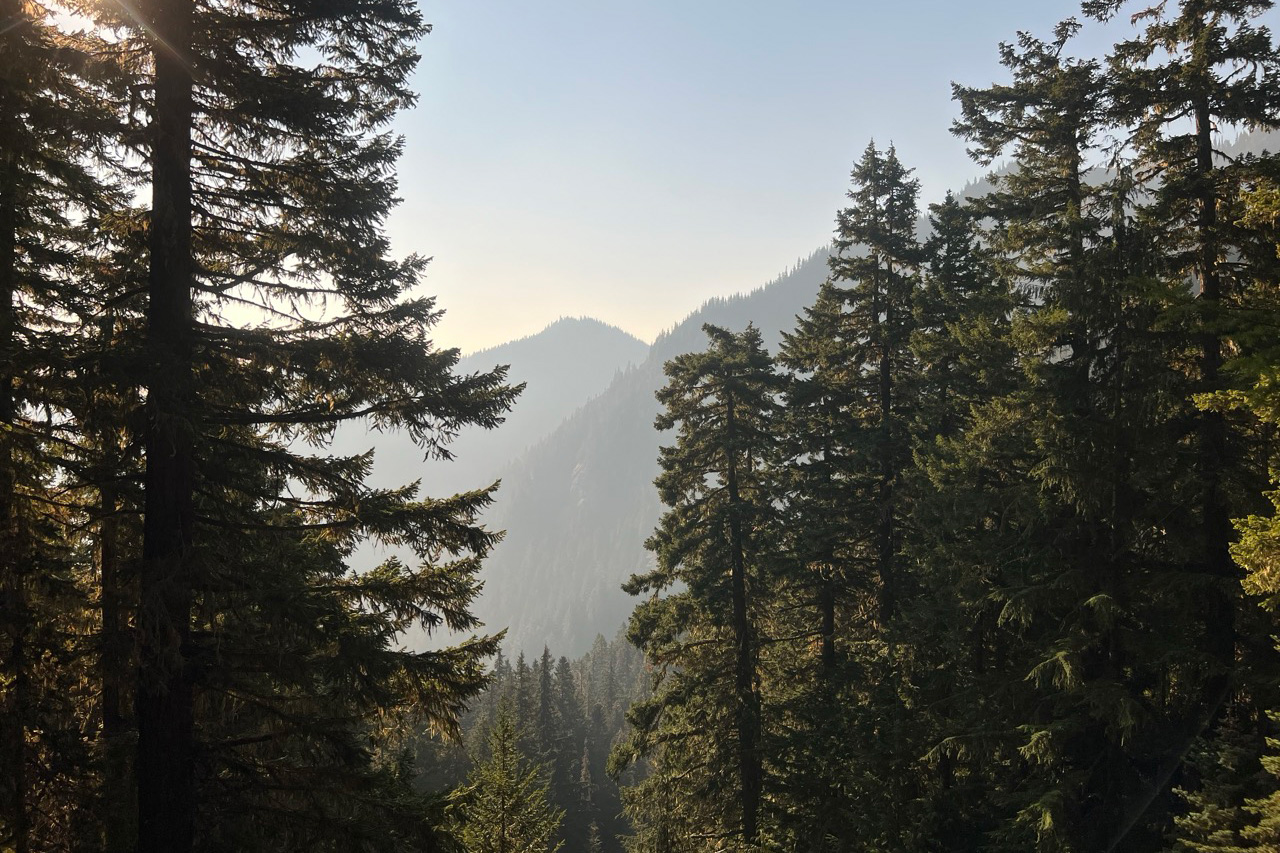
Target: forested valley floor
{"type": "Point", "coordinates": [554, 723]}
{"type": "Point", "coordinates": [985, 556]}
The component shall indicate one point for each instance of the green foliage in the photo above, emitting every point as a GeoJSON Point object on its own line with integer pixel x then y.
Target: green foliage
{"type": "Point", "coordinates": [61, 210]}
{"type": "Point", "coordinates": [1217, 818]}
{"type": "Point", "coordinates": [1252, 814]}
{"type": "Point", "coordinates": [957, 572]}
{"type": "Point", "coordinates": [609, 678]}
{"type": "Point", "coordinates": [505, 806]}
{"type": "Point", "coordinates": [845, 439]}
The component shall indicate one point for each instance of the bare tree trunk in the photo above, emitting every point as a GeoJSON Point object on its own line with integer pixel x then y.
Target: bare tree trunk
{"type": "Point", "coordinates": [165, 765]}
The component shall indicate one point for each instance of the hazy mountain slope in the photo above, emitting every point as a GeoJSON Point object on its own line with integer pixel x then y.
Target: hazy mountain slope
{"type": "Point", "coordinates": [563, 366]}
{"type": "Point", "coordinates": [578, 505]}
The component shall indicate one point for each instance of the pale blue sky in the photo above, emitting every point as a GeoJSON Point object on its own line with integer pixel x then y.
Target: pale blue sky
{"type": "Point", "coordinates": [627, 160]}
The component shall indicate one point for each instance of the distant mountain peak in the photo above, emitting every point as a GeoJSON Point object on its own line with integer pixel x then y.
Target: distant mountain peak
{"type": "Point", "coordinates": [563, 367]}
{"type": "Point", "coordinates": [568, 327]}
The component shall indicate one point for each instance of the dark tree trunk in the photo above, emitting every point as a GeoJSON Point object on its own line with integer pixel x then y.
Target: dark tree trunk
{"type": "Point", "coordinates": [110, 596]}
{"type": "Point", "coordinates": [827, 606]}
{"type": "Point", "coordinates": [1220, 606]}
{"type": "Point", "coordinates": [885, 532]}
{"type": "Point", "coordinates": [112, 667]}
{"type": "Point", "coordinates": [13, 605]}
{"type": "Point", "coordinates": [165, 765]}
{"type": "Point", "coordinates": [748, 712]}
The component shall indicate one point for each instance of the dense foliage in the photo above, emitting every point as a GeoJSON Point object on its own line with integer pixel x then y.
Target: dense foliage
{"type": "Point", "coordinates": [564, 718]}
{"type": "Point", "coordinates": [982, 589]}
{"type": "Point", "coordinates": [504, 807]}
{"type": "Point", "coordinates": [195, 291]}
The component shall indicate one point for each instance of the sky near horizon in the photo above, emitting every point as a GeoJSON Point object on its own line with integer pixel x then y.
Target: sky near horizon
{"type": "Point", "coordinates": [628, 160]}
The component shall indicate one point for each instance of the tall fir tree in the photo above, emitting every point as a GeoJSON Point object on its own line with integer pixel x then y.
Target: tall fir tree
{"type": "Point", "coordinates": [1193, 70]}
{"type": "Point", "coordinates": [545, 722]}
{"type": "Point", "coordinates": [273, 314]}
{"type": "Point", "coordinates": [965, 357]}
{"type": "Point", "coordinates": [1092, 582]}
{"type": "Point", "coordinates": [876, 251]}
{"type": "Point", "coordinates": [57, 194]}
{"type": "Point", "coordinates": [961, 338]}
{"type": "Point", "coordinates": [703, 726]}
{"type": "Point", "coordinates": [846, 436]}
{"type": "Point", "coordinates": [1234, 801]}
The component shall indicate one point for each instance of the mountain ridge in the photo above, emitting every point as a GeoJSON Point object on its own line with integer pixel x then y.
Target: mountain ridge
{"type": "Point", "coordinates": [572, 535]}
{"type": "Point", "coordinates": [558, 380]}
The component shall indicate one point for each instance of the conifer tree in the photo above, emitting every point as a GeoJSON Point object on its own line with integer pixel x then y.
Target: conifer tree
{"type": "Point", "coordinates": [575, 770]}
{"type": "Point", "coordinates": [1248, 812]}
{"type": "Point", "coordinates": [545, 722]}
{"type": "Point", "coordinates": [1087, 583]}
{"type": "Point", "coordinates": [568, 708]}
{"type": "Point", "coordinates": [571, 784]}
{"type": "Point", "coordinates": [846, 436]}
{"type": "Point", "coordinates": [524, 705]}
{"type": "Point", "coordinates": [1045, 212]}
{"type": "Point", "coordinates": [965, 358]}
{"type": "Point", "coordinates": [1193, 70]}
{"type": "Point", "coordinates": [877, 253]}
{"type": "Point", "coordinates": [56, 194]}
{"type": "Point", "coordinates": [606, 802]}
{"type": "Point", "coordinates": [703, 726]}
{"type": "Point", "coordinates": [273, 314]}
{"type": "Point", "coordinates": [505, 806]}
{"type": "Point", "coordinates": [961, 340]}
{"type": "Point", "coordinates": [850, 352]}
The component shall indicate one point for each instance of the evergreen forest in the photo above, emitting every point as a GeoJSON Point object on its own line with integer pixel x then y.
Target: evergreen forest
{"type": "Point", "coordinates": [981, 554]}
